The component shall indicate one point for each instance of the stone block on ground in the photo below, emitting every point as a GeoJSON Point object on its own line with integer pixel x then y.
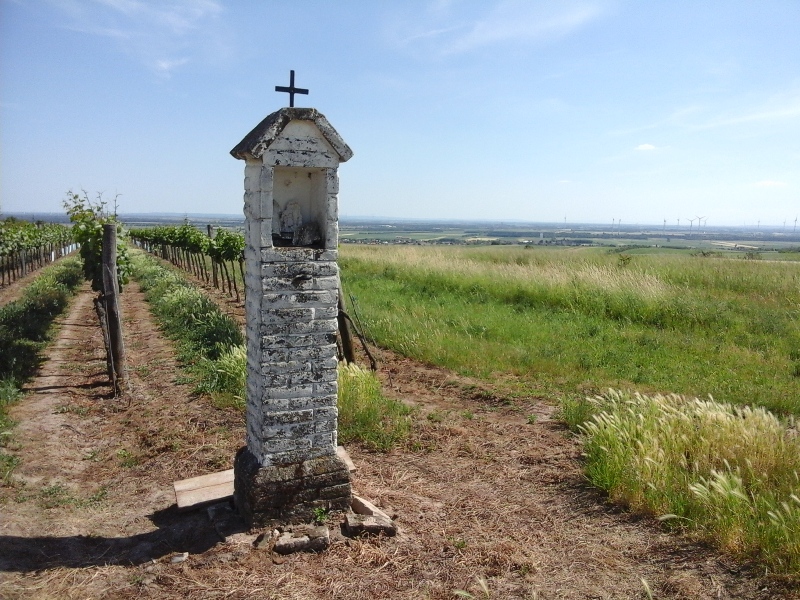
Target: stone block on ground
{"type": "Point", "coordinates": [360, 506]}
{"type": "Point", "coordinates": [355, 525]}
{"type": "Point", "coordinates": [303, 538]}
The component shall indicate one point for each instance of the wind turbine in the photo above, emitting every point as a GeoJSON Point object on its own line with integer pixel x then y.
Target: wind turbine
{"type": "Point", "coordinates": [795, 225]}
{"type": "Point", "coordinates": [691, 222]}
{"type": "Point", "coordinates": [699, 220]}
{"type": "Point", "coordinates": [665, 224]}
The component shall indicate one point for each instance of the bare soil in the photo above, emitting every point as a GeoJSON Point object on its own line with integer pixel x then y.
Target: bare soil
{"type": "Point", "coordinates": [483, 492]}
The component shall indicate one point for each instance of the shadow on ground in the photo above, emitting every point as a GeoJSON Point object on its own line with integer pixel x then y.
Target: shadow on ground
{"type": "Point", "coordinates": [193, 532]}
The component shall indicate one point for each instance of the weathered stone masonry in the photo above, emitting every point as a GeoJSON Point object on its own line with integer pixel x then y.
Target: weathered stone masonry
{"type": "Point", "coordinates": [289, 466]}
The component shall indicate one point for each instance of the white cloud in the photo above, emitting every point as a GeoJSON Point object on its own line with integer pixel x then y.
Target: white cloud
{"type": "Point", "coordinates": [645, 147]}
{"type": "Point", "coordinates": [779, 107]}
{"type": "Point", "coordinates": [512, 21]}
{"type": "Point", "coordinates": [448, 31]}
{"type": "Point", "coordinates": [433, 33]}
{"type": "Point", "coordinates": [785, 112]}
{"type": "Point", "coordinates": [166, 66]}
{"type": "Point", "coordinates": [770, 183]}
{"type": "Point", "coordinates": [162, 35]}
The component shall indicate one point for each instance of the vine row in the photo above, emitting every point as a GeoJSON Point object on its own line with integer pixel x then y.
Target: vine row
{"type": "Point", "coordinates": [192, 250]}
{"type": "Point", "coordinates": [26, 246]}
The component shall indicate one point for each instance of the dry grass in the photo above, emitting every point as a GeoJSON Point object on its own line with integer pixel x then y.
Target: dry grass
{"type": "Point", "coordinates": [594, 274]}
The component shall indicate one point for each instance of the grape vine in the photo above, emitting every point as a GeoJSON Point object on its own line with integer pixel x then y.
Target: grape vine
{"type": "Point", "coordinates": [88, 219]}
{"type": "Point", "coordinates": [187, 247]}
{"type": "Point", "coordinates": [26, 246]}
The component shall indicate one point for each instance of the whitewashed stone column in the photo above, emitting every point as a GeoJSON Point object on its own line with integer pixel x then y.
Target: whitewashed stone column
{"type": "Point", "coordinates": [289, 466]}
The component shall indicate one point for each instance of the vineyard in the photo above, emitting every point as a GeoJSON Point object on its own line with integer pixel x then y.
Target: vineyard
{"type": "Point", "coordinates": [188, 248]}
{"type": "Point", "coordinates": [25, 247]}
{"type": "Point", "coordinates": [470, 453]}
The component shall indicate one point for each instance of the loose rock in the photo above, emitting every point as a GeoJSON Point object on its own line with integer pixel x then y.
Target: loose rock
{"type": "Point", "coordinates": [303, 538]}
{"type": "Point", "coordinates": [355, 525]}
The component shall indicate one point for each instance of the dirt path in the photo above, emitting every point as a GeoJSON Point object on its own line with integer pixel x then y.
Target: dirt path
{"type": "Point", "coordinates": [480, 492]}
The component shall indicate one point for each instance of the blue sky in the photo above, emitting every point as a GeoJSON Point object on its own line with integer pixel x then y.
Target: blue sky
{"type": "Point", "coordinates": [592, 111]}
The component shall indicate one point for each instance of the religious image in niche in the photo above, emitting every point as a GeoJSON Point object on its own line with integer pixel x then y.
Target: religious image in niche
{"type": "Point", "coordinates": [288, 228]}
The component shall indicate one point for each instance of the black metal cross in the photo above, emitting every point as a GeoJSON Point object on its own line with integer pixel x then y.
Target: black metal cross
{"type": "Point", "coordinates": [291, 90]}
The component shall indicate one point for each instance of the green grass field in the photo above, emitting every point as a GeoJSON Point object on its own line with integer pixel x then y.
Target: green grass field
{"type": "Point", "coordinates": [569, 321]}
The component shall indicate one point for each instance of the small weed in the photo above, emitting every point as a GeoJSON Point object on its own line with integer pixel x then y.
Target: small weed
{"type": "Point", "coordinates": [321, 515]}
{"type": "Point", "coordinates": [459, 543]}
{"type": "Point", "coordinates": [575, 411]}
{"type": "Point", "coordinates": [531, 419]}
{"type": "Point", "coordinates": [143, 370]}
{"type": "Point", "coordinates": [98, 496]}
{"type": "Point", "coordinates": [648, 592]}
{"type": "Point", "coordinates": [9, 392]}
{"type": "Point", "coordinates": [93, 456]}
{"type": "Point", "coordinates": [484, 590]}
{"type": "Point", "coordinates": [76, 367]}
{"type": "Point", "coordinates": [468, 415]}
{"type": "Point", "coordinates": [8, 463]}
{"type": "Point", "coordinates": [225, 401]}
{"type": "Point", "coordinates": [55, 496]}
{"type": "Point", "coordinates": [127, 459]}
{"type": "Point", "coordinates": [72, 408]}
{"type": "Point", "coordinates": [366, 415]}
{"type": "Point", "coordinates": [436, 416]}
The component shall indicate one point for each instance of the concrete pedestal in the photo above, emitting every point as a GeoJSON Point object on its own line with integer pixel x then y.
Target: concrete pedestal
{"type": "Point", "coordinates": [275, 495]}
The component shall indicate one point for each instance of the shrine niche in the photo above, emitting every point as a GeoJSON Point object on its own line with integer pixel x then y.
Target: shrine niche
{"type": "Point", "coordinates": [299, 210]}
{"type": "Point", "coordinates": [291, 181]}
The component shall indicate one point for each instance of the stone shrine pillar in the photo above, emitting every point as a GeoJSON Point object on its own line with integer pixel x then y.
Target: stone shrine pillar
{"type": "Point", "coordinates": [289, 467]}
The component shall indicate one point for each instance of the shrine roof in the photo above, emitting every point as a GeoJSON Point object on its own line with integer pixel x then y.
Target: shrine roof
{"type": "Point", "coordinates": [265, 133]}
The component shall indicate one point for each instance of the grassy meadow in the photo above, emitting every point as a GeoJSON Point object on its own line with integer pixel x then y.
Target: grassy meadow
{"type": "Point", "coordinates": [663, 328]}
{"type": "Point", "coordinates": [565, 322]}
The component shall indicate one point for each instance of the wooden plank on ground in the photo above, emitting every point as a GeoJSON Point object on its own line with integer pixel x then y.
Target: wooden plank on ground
{"type": "Point", "coordinates": [203, 489]}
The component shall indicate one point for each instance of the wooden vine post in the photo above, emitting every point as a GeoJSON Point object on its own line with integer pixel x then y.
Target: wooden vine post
{"type": "Point", "coordinates": [210, 229]}
{"type": "Point", "coordinates": [111, 301]}
{"type": "Point", "coordinates": [348, 353]}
